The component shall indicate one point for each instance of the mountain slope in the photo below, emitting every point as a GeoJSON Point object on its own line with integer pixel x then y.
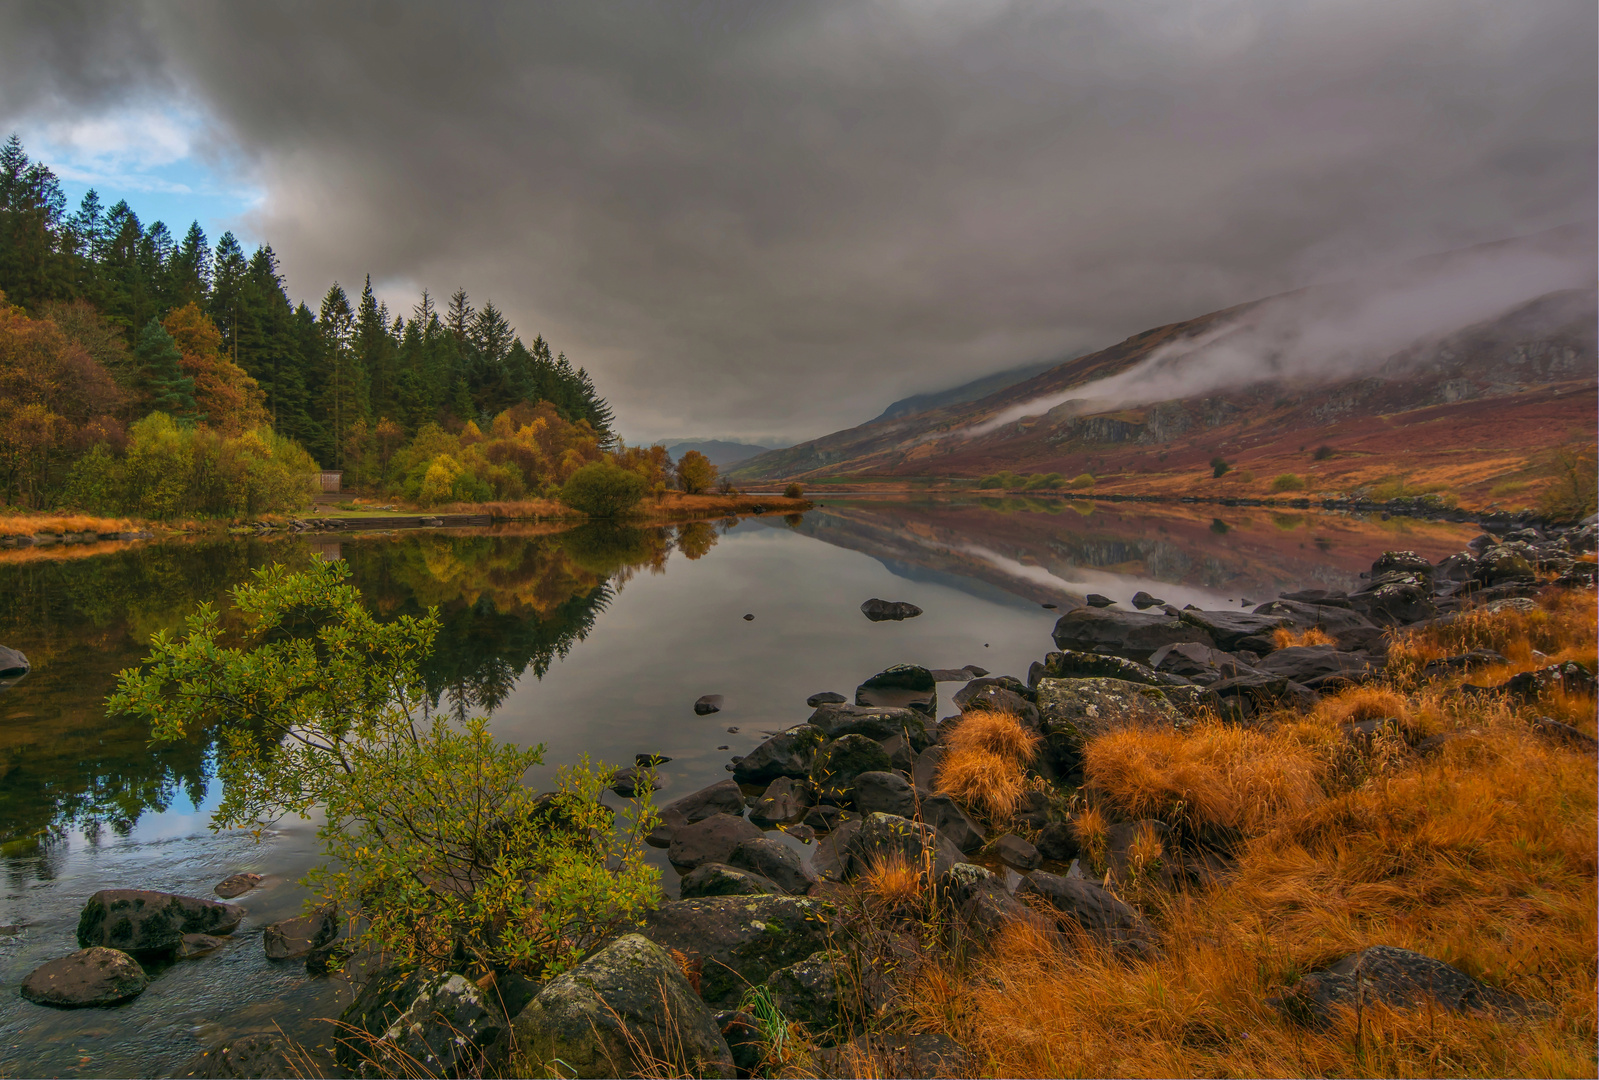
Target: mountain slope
{"type": "Point", "coordinates": [721, 452]}
{"type": "Point", "coordinates": [958, 395]}
{"type": "Point", "coordinates": [1398, 376]}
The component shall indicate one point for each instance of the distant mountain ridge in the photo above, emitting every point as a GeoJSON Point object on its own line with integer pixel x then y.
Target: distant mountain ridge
{"type": "Point", "coordinates": [970, 391]}
{"type": "Point", "coordinates": [722, 452]}
{"type": "Point", "coordinates": [1486, 393]}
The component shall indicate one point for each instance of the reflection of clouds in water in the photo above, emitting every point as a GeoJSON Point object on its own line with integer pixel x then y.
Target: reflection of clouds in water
{"type": "Point", "coordinates": [1119, 587]}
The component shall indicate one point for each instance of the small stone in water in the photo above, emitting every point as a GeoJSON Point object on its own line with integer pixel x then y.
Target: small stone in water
{"type": "Point", "coordinates": [708, 704]}
{"type": "Point", "coordinates": [724, 748]}
{"type": "Point", "coordinates": [650, 760]}
{"type": "Point", "coordinates": [1051, 607]}
{"type": "Point", "coordinates": [732, 731]}
{"type": "Point", "coordinates": [749, 618]}
{"type": "Point", "coordinates": [237, 885]}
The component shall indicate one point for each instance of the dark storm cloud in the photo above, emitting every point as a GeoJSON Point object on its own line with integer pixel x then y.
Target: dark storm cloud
{"type": "Point", "coordinates": [769, 219]}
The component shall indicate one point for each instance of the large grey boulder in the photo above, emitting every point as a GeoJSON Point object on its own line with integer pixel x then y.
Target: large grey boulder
{"type": "Point", "coordinates": [1074, 711]}
{"type": "Point", "coordinates": [905, 686]}
{"type": "Point", "coordinates": [1133, 634]}
{"type": "Point", "coordinates": [720, 879]}
{"type": "Point", "coordinates": [722, 797]}
{"type": "Point", "coordinates": [881, 837]}
{"type": "Point", "coordinates": [884, 792]}
{"type": "Point", "coordinates": [943, 813]}
{"type": "Point", "coordinates": [841, 761]}
{"type": "Point", "coordinates": [711, 840]}
{"type": "Point", "coordinates": [1396, 598]}
{"type": "Point", "coordinates": [788, 753]}
{"type": "Point", "coordinates": [878, 723]}
{"type": "Point", "coordinates": [300, 935]}
{"type": "Point", "coordinates": [88, 978]}
{"type": "Point", "coordinates": [1318, 666]}
{"type": "Point", "coordinates": [785, 800]}
{"type": "Point", "coordinates": [1071, 664]}
{"type": "Point", "coordinates": [809, 991]}
{"type": "Point", "coordinates": [1398, 978]}
{"type": "Point", "coordinates": [1349, 628]}
{"type": "Point", "coordinates": [627, 1005]}
{"type": "Point", "coordinates": [1231, 629]}
{"type": "Point", "coordinates": [141, 920]}
{"type": "Point", "coordinates": [739, 940]}
{"type": "Point", "coordinates": [451, 1028]}
{"type": "Point", "coordinates": [1087, 903]}
{"type": "Point", "coordinates": [775, 861]}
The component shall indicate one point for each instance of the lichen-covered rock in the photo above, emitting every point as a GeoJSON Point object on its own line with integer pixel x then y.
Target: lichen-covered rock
{"type": "Point", "coordinates": [450, 1028]}
{"type": "Point", "coordinates": [739, 940]}
{"type": "Point", "coordinates": [626, 1005]}
{"type": "Point", "coordinates": [88, 978]}
{"type": "Point", "coordinates": [788, 753]}
{"type": "Point", "coordinates": [1502, 564]}
{"type": "Point", "coordinates": [1396, 598]}
{"type": "Point", "coordinates": [381, 1000]}
{"type": "Point", "coordinates": [720, 879]}
{"type": "Point", "coordinates": [1073, 711]}
{"type": "Point", "coordinates": [841, 761]}
{"type": "Point", "coordinates": [809, 991]}
{"type": "Point", "coordinates": [141, 920]}
{"type": "Point", "coordinates": [1071, 664]}
{"type": "Point", "coordinates": [1132, 634]}
{"type": "Point", "coordinates": [1398, 978]}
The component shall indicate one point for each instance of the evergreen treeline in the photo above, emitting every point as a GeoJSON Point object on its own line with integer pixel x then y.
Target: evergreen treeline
{"type": "Point", "coordinates": [327, 378]}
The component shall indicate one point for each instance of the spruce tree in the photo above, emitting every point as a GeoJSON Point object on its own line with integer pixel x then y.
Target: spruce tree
{"type": "Point", "coordinates": [160, 379]}
{"type": "Point", "coordinates": [189, 270]}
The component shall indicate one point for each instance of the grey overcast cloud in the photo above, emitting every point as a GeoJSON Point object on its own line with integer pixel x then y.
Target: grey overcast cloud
{"type": "Point", "coordinates": [768, 220]}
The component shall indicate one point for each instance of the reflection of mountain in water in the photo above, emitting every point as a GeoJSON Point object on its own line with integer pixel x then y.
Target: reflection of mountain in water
{"type": "Point", "coordinates": [507, 604]}
{"type": "Point", "coordinates": [1048, 550]}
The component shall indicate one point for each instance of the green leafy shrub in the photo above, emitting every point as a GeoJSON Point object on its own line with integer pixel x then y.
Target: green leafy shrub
{"type": "Point", "coordinates": [1219, 467]}
{"type": "Point", "coordinates": [437, 852]}
{"type": "Point", "coordinates": [1082, 480]}
{"type": "Point", "coordinates": [1323, 452]}
{"type": "Point", "coordinates": [1288, 482]}
{"type": "Point", "coordinates": [603, 489]}
{"type": "Point", "coordinates": [794, 491]}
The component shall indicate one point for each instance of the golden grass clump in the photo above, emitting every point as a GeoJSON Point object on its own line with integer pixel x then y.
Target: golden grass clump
{"type": "Point", "coordinates": [1285, 638]}
{"type": "Point", "coordinates": [60, 524]}
{"type": "Point", "coordinates": [985, 765]}
{"type": "Point", "coordinates": [1481, 855]}
{"type": "Point", "coordinates": [1562, 628]}
{"type": "Point", "coordinates": [1092, 830]}
{"type": "Point", "coordinates": [1216, 774]}
{"type": "Point", "coordinates": [892, 882]}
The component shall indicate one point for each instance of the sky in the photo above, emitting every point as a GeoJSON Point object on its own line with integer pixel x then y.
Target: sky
{"type": "Point", "coordinates": [767, 221]}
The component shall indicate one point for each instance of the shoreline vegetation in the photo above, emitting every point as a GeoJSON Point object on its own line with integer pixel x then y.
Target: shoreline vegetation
{"type": "Point", "coordinates": [1337, 834]}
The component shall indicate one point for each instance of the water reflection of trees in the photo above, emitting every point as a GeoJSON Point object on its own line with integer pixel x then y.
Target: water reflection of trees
{"type": "Point", "coordinates": [508, 604]}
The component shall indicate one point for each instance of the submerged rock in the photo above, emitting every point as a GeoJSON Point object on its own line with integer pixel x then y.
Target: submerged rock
{"type": "Point", "coordinates": [615, 1014]}
{"type": "Point", "coordinates": [246, 1058]}
{"type": "Point", "coordinates": [142, 920]}
{"type": "Point", "coordinates": [236, 885]}
{"type": "Point", "coordinates": [707, 704]}
{"type": "Point", "coordinates": [88, 978]}
{"type": "Point", "coordinates": [826, 697]}
{"type": "Point", "coordinates": [300, 935]}
{"type": "Point", "coordinates": [13, 666]}
{"type": "Point", "coordinates": [889, 610]}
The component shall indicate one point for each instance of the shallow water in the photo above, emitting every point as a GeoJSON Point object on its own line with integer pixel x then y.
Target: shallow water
{"type": "Point", "coordinates": [589, 641]}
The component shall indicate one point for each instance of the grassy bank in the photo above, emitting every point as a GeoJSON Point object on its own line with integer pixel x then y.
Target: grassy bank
{"type": "Point", "coordinates": [1465, 834]}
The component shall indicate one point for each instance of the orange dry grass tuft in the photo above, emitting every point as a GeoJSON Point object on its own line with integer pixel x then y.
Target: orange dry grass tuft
{"type": "Point", "coordinates": [1217, 774]}
{"type": "Point", "coordinates": [1562, 628]}
{"type": "Point", "coordinates": [1092, 831]}
{"type": "Point", "coordinates": [893, 882]}
{"type": "Point", "coordinates": [986, 763]}
{"type": "Point", "coordinates": [1481, 856]}
{"type": "Point", "coordinates": [1284, 638]}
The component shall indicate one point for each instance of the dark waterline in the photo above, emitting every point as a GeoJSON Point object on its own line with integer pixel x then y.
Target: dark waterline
{"type": "Point", "coordinates": [589, 641]}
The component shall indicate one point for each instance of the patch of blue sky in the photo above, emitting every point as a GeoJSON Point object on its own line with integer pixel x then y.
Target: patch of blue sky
{"type": "Point", "coordinates": [163, 161]}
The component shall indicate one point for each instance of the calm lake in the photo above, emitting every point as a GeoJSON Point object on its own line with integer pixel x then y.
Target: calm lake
{"type": "Point", "coordinates": [591, 641]}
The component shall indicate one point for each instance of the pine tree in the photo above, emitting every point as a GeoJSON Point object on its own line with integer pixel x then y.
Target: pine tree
{"type": "Point", "coordinates": [31, 212]}
{"type": "Point", "coordinates": [374, 350]}
{"type": "Point", "coordinates": [189, 269]}
{"type": "Point", "coordinates": [160, 378]}
{"type": "Point", "coordinates": [122, 291]}
{"type": "Point", "coordinates": [345, 401]}
{"type": "Point", "coordinates": [459, 317]}
{"type": "Point", "coordinates": [227, 301]}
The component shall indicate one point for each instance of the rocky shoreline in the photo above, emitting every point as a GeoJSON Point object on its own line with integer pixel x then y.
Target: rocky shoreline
{"type": "Point", "coordinates": [773, 919]}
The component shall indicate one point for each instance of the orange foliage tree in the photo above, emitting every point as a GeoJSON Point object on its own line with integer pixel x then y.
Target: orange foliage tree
{"type": "Point", "coordinates": [229, 399]}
